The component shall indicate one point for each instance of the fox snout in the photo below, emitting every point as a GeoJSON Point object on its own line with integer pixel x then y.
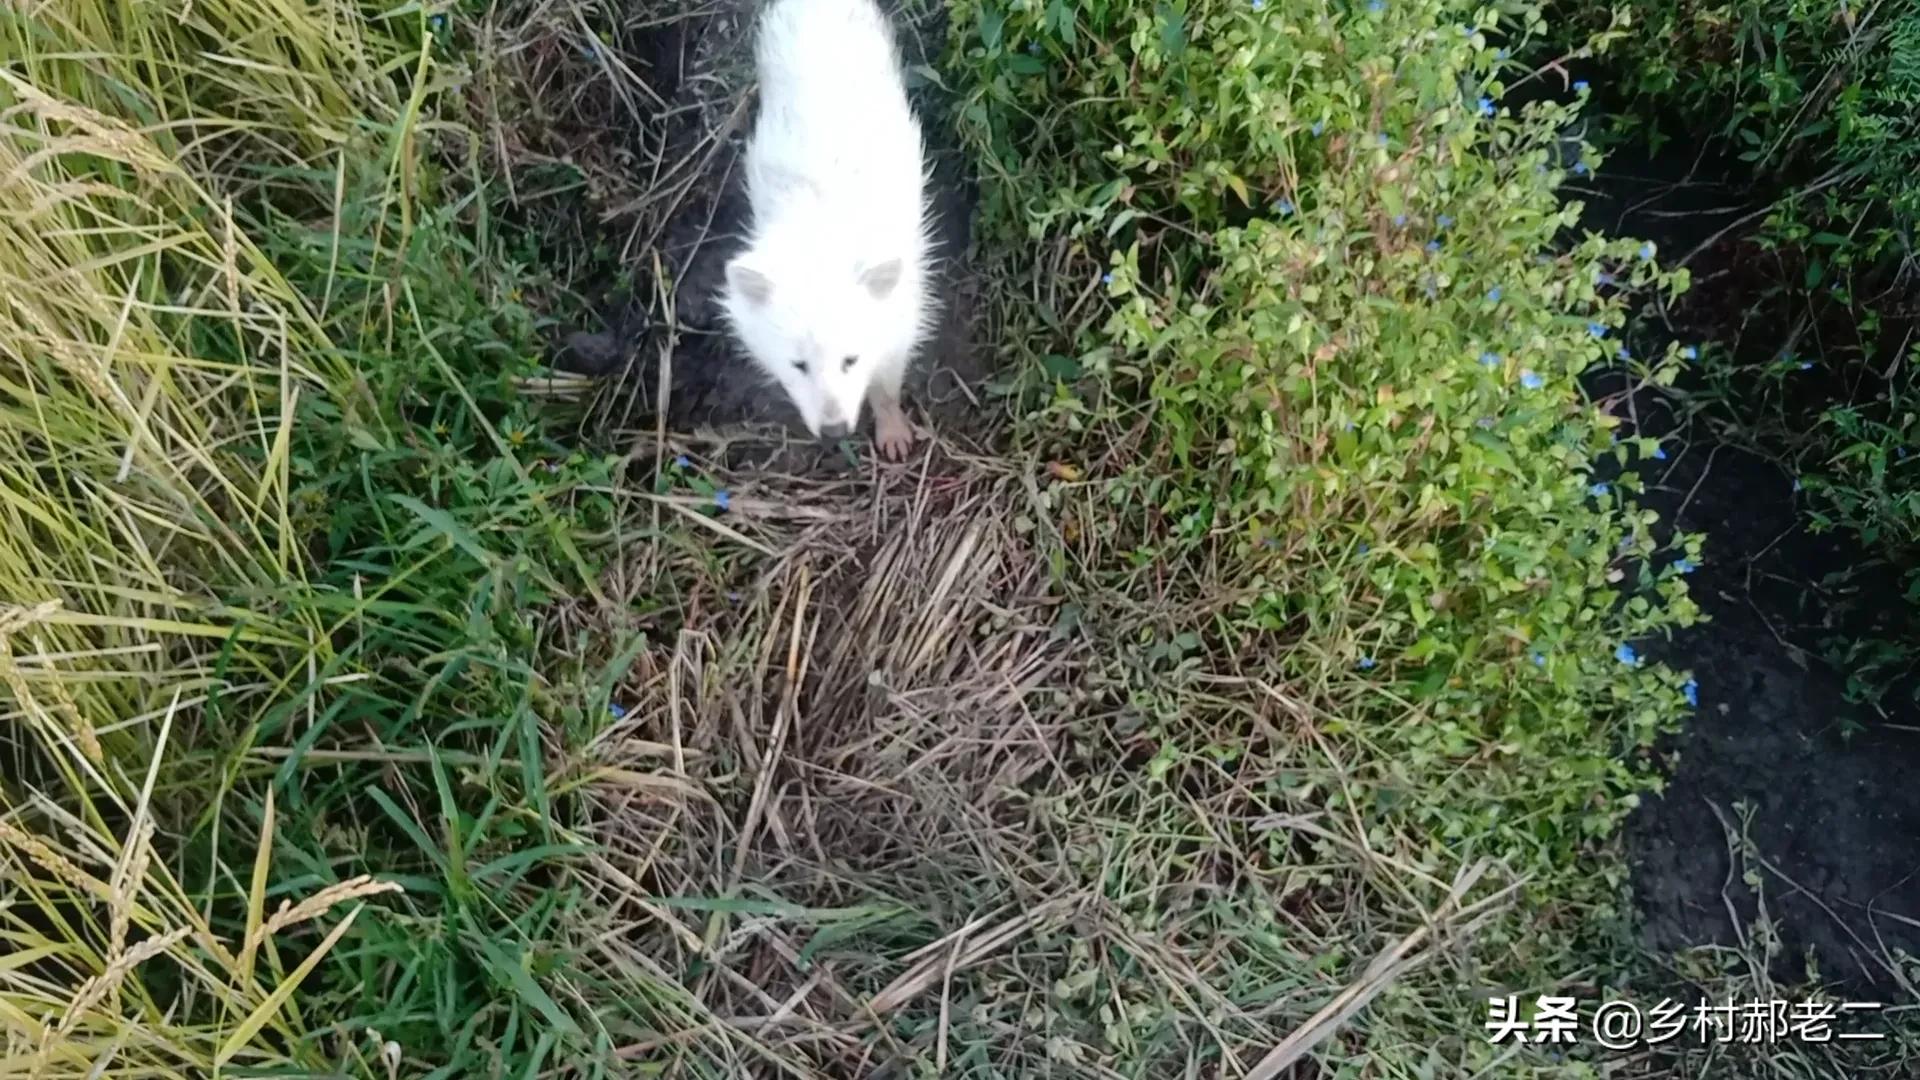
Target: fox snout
{"type": "Point", "coordinates": [834, 423]}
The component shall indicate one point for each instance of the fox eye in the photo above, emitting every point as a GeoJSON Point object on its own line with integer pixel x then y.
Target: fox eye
{"type": "Point", "coordinates": [801, 365]}
{"type": "Point", "coordinates": [847, 364]}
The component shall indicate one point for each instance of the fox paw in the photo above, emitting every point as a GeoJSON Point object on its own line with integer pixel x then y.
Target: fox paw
{"type": "Point", "coordinates": [892, 435]}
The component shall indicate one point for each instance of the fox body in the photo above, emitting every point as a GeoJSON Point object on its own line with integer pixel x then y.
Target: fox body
{"type": "Point", "coordinates": [830, 296]}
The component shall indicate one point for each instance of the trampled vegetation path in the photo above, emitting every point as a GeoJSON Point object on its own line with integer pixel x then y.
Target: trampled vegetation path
{"type": "Point", "coordinates": [422, 654]}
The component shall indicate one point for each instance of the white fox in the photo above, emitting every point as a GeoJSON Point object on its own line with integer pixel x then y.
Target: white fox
{"type": "Point", "coordinates": [830, 296]}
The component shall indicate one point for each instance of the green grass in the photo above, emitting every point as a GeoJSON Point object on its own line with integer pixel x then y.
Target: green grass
{"type": "Point", "coordinates": [269, 491]}
{"type": "Point", "coordinates": [150, 347]}
{"type": "Point", "coordinates": [356, 724]}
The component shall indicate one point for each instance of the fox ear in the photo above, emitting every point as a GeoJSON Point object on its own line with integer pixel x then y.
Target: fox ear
{"type": "Point", "coordinates": [751, 284]}
{"type": "Point", "coordinates": [880, 280]}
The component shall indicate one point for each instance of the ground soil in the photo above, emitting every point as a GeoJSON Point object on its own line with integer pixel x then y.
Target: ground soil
{"type": "Point", "coordinates": [700, 66]}
{"type": "Point", "coordinates": [1776, 756]}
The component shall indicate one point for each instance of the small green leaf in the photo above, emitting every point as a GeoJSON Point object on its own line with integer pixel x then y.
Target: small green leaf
{"type": "Point", "coordinates": [511, 971]}
{"type": "Point", "coordinates": [1173, 29]}
{"type": "Point", "coordinates": [992, 23]}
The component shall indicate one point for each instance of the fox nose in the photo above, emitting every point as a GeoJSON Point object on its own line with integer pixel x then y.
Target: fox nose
{"type": "Point", "coordinates": [834, 429]}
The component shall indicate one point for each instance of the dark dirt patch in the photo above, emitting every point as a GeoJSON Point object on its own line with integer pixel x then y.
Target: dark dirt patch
{"type": "Point", "coordinates": [1776, 756]}
{"type": "Point", "coordinates": [1830, 790]}
{"type": "Point", "coordinates": [686, 214]}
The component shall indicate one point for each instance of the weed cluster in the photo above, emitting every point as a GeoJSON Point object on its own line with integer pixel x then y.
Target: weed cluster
{"type": "Point", "coordinates": [1318, 323]}
{"type": "Point", "coordinates": [1818, 105]}
{"type": "Point", "coordinates": [1304, 335]}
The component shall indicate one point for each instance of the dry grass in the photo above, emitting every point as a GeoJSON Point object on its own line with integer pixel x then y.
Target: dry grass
{"type": "Point", "coordinates": [150, 359]}
{"type": "Point", "coordinates": [90, 914]}
{"type": "Point", "coordinates": [878, 804]}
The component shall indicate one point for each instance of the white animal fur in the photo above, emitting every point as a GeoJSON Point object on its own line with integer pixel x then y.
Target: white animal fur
{"type": "Point", "coordinates": [830, 296]}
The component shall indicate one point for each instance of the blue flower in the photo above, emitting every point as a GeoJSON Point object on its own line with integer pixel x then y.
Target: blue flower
{"type": "Point", "coordinates": [437, 22]}
{"type": "Point", "coordinates": [1805, 364]}
{"type": "Point", "coordinates": [1539, 659]}
{"type": "Point", "coordinates": [1580, 87]}
{"type": "Point", "coordinates": [1500, 54]}
{"type": "Point", "coordinates": [1399, 219]}
{"type": "Point", "coordinates": [1691, 690]}
{"type": "Point", "coordinates": [1646, 250]}
{"type": "Point", "coordinates": [1598, 330]}
{"type": "Point", "coordinates": [733, 596]}
{"type": "Point", "coordinates": [619, 711]}
{"type": "Point", "coordinates": [1283, 207]}
{"type": "Point", "coordinates": [1659, 453]}
{"type": "Point", "coordinates": [1445, 221]}
{"type": "Point", "coordinates": [1689, 353]}
{"type": "Point", "coordinates": [680, 462]}
{"type": "Point", "coordinates": [1579, 168]}
{"type": "Point", "coordinates": [1601, 277]}
{"type": "Point", "coordinates": [1376, 6]}
{"type": "Point", "coordinates": [1034, 46]}
{"type": "Point", "coordinates": [1684, 566]}
{"type": "Point", "coordinates": [1624, 354]}
{"type": "Point", "coordinates": [1350, 425]}
{"type": "Point", "coordinates": [1486, 106]}
{"type": "Point", "coordinates": [1381, 138]}
{"type": "Point", "coordinates": [1433, 245]}
{"type": "Point", "coordinates": [1319, 126]}
{"type": "Point", "coordinates": [1366, 662]}
{"type": "Point", "coordinates": [1598, 490]}
{"type": "Point", "coordinates": [1364, 548]}
{"type": "Point", "coordinates": [1626, 655]}
{"type": "Point", "coordinates": [722, 499]}
{"type": "Point", "coordinates": [1258, 4]}
{"type": "Point", "coordinates": [1486, 422]}
{"type": "Point", "coordinates": [1106, 279]}
{"type": "Point", "coordinates": [1489, 359]}
{"type": "Point", "coordinates": [1796, 483]}
{"type": "Point", "coordinates": [1531, 381]}
{"type": "Point", "coordinates": [1493, 294]}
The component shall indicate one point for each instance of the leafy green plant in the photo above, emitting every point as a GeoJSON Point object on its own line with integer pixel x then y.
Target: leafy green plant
{"type": "Point", "coordinates": [1797, 88]}
{"type": "Point", "coordinates": [1303, 323]}
{"type": "Point", "coordinates": [1353, 337]}
{"type": "Point", "coordinates": [1821, 102]}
